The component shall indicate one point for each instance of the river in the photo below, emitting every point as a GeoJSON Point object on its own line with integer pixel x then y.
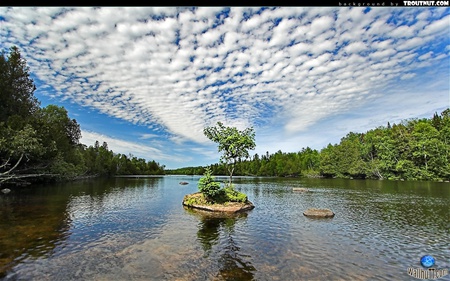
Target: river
{"type": "Point", "coordinates": [135, 228]}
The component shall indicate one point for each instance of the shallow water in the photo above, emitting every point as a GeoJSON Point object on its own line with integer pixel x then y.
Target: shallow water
{"type": "Point", "coordinates": [137, 229]}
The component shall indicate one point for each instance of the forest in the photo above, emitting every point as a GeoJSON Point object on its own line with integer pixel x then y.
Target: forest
{"type": "Point", "coordinates": [415, 149]}
{"type": "Point", "coordinates": [42, 143]}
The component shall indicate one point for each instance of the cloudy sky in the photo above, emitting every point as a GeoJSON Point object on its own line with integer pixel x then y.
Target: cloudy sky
{"type": "Point", "coordinates": [147, 80]}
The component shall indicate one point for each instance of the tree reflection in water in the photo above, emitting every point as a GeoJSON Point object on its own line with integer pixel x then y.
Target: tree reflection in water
{"type": "Point", "coordinates": [217, 229]}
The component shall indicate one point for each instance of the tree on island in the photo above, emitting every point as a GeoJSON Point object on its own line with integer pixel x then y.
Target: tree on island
{"type": "Point", "coordinates": [233, 143]}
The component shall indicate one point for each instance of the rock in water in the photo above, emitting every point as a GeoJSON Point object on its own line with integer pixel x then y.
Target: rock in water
{"type": "Point", "coordinates": [318, 213]}
{"type": "Point", "coordinates": [6, 190]}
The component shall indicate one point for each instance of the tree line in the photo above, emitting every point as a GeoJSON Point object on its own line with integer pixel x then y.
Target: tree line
{"type": "Point", "coordinates": [414, 149]}
{"type": "Point", "coordinates": [42, 143]}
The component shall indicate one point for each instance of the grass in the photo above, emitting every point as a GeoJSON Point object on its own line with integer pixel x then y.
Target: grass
{"type": "Point", "coordinates": [226, 196]}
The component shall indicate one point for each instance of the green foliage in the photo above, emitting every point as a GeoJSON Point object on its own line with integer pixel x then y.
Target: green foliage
{"type": "Point", "coordinates": [233, 143]}
{"type": "Point", "coordinates": [23, 141]}
{"type": "Point", "coordinates": [328, 161]}
{"type": "Point", "coordinates": [198, 170]}
{"type": "Point", "coordinates": [101, 161]}
{"type": "Point", "coordinates": [213, 193]}
{"type": "Point", "coordinates": [39, 143]}
{"type": "Point", "coordinates": [191, 200]}
{"type": "Point", "coordinates": [233, 195]}
{"type": "Point", "coordinates": [210, 188]}
{"type": "Point", "coordinates": [412, 150]}
{"type": "Point", "coordinates": [63, 170]}
{"type": "Point", "coordinates": [16, 87]}
{"type": "Point", "coordinates": [229, 194]}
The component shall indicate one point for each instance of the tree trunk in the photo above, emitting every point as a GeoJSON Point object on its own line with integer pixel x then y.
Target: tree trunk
{"type": "Point", "coordinates": [231, 170]}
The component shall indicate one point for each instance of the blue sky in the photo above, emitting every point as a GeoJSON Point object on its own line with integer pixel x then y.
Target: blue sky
{"type": "Point", "coordinates": [147, 80]}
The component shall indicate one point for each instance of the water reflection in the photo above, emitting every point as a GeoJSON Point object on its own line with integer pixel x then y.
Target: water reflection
{"type": "Point", "coordinates": [216, 235]}
{"type": "Point", "coordinates": [137, 229]}
{"type": "Point", "coordinates": [30, 226]}
{"type": "Point", "coordinates": [37, 221]}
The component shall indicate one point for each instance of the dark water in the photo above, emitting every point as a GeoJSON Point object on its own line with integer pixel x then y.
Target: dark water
{"type": "Point", "coordinates": [137, 229]}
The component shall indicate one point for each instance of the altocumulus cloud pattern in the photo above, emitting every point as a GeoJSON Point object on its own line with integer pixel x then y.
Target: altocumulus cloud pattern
{"type": "Point", "coordinates": [283, 70]}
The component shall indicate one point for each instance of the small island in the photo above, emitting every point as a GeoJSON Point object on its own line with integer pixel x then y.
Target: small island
{"type": "Point", "coordinates": [198, 201]}
{"type": "Point", "coordinates": [211, 196]}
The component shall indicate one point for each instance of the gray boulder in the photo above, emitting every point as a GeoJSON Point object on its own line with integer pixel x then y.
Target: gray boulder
{"type": "Point", "coordinates": [318, 213]}
{"type": "Point", "coordinates": [6, 190]}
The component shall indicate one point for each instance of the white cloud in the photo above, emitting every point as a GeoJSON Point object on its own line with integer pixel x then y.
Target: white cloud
{"type": "Point", "coordinates": [437, 27]}
{"type": "Point", "coordinates": [355, 47]}
{"type": "Point", "coordinates": [121, 146]}
{"type": "Point", "coordinates": [426, 56]}
{"type": "Point", "coordinates": [408, 76]}
{"type": "Point", "coordinates": [181, 69]}
{"type": "Point", "coordinates": [321, 24]}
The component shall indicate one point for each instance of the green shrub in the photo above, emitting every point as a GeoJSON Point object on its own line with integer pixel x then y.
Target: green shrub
{"type": "Point", "coordinates": [213, 193]}
{"type": "Point", "coordinates": [195, 199]}
{"type": "Point", "coordinates": [233, 195]}
{"type": "Point", "coordinates": [210, 188]}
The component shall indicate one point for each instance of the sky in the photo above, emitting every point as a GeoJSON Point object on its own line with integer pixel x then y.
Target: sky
{"type": "Point", "coordinates": [148, 80]}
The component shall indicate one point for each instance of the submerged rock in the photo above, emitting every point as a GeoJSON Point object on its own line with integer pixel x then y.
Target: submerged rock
{"type": "Point", "coordinates": [318, 213]}
{"type": "Point", "coordinates": [6, 190]}
{"type": "Point", "coordinates": [300, 189]}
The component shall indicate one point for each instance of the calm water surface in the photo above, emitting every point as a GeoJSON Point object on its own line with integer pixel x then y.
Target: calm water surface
{"type": "Point", "coordinates": [137, 229]}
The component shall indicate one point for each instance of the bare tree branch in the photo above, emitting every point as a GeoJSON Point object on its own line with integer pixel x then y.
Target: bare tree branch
{"type": "Point", "coordinates": [15, 166]}
{"type": "Point", "coordinates": [5, 164]}
{"type": "Point", "coordinates": [4, 178]}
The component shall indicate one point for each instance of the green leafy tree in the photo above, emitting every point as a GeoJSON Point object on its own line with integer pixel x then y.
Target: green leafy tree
{"type": "Point", "coordinates": [350, 160]}
{"type": "Point", "coordinates": [43, 143]}
{"type": "Point", "coordinates": [328, 161]}
{"type": "Point", "coordinates": [57, 130]}
{"type": "Point", "coordinates": [233, 143]}
{"type": "Point", "coordinates": [370, 153]}
{"type": "Point", "coordinates": [18, 147]}
{"type": "Point", "coordinates": [444, 137]}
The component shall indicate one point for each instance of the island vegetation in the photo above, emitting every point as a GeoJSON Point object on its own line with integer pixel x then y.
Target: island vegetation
{"type": "Point", "coordinates": [233, 144]}
{"type": "Point", "coordinates": [42, 143]}
{"type": "Point", "coordinates": [212, 194]}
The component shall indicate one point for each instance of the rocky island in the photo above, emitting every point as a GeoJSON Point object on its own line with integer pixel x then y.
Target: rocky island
{"type": "Point", "coordinates": [198, 201]}
{"type": "Point", "coordinates": [235, 145]}
{"type": "Point", "coordinates": [213, 198]}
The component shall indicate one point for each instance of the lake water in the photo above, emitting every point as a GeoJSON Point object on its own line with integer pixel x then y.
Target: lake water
{"type": "Point", "coordinates": [137, 229]}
